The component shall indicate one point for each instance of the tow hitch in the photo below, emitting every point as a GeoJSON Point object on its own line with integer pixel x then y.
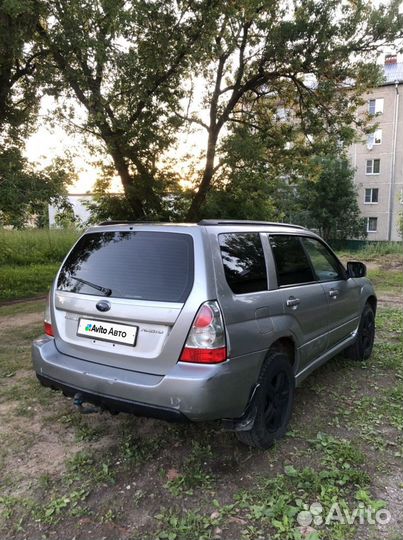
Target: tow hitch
{"type": "Point", "coordinates": [79, 400]}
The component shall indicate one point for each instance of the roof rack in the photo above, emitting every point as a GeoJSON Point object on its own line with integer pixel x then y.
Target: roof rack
{"type": "Point", "coordinates": [122, 222]}
{"type": "Point", "coordinates": [208, 222]}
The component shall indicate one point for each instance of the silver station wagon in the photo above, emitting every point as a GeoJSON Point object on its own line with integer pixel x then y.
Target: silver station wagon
{"type": "Point", "coordinates": [218, 320]}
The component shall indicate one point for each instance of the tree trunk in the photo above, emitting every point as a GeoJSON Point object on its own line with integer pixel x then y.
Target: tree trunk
{"type": "Point", "coordinates": [194, 213]}
{"type": "Point", "coordinates": [128, 185]}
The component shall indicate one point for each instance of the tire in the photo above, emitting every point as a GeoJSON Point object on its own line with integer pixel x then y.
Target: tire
{"type": "Point", "coordinates": [362, 348]}
{"type": "Point", "coordinates": [274, 400]}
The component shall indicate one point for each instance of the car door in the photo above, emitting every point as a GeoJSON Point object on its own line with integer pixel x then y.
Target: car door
{"type": "Point", "coordinates": [342, 294]}
{"type": "Point", "coordinates": [305, 304]}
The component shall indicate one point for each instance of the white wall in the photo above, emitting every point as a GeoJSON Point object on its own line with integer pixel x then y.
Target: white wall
{"type": "Point", "coordinates": [79, 209]}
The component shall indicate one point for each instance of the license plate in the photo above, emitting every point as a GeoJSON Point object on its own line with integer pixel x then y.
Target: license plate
{"type": "Point", "coordinates": [107, 331]}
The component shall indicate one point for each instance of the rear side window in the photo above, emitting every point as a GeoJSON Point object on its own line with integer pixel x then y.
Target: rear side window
{"type": "Point", "coordinates": [140, 265]}
{"type": "Point", "coordinates": [292, 264]}
{"type": "Point", "coordinates": [244, 264]}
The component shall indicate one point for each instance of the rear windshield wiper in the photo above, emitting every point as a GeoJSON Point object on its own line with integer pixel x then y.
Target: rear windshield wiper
{"type": "Point", "coordinates": [107, 292]}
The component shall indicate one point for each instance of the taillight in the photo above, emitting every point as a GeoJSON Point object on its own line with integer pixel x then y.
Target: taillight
{"type": "Point", "coordinates": [47, 321]}
{"type": "Point", "coordinates": [205, 343]}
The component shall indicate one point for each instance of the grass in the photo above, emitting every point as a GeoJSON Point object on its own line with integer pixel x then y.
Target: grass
{"type": "Point", "coordinates": [26, 281]}
{"type": "Point", "coordinates": [387, 282]}
{"type": "Point", "coordinates": [269, 509]}
{"type": "Point", "coordinates": [373, 251]}
{"type": "Point", "coordinates": [30, 259]}
{"type": "Point", "coordinates": [35, 246]}
{"type": "Point", "coordinates": [33, 306]}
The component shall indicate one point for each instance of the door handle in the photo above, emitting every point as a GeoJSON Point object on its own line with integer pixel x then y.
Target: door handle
{"type": "Point", "coordinates": [334, 293]}
{"type": "Point", "coordinates": [293, 302]}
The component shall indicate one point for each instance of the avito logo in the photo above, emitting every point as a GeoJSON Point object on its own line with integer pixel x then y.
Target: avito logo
{"type": "Point", "coordinates": [88, 327]}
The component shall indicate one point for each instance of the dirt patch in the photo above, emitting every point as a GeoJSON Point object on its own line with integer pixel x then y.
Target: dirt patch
{"type": "Point", "coordinates": [20, 320]}
{"type": "Point", "coordinates": [23, 300]}
{"type": "Point", "coordinates": [31, 449]}
{"type": "Point", "coordinates": [391, 300]}
{"type": "Point", "coordinates": [391, 265]}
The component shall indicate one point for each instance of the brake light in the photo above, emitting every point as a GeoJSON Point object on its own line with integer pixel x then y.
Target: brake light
{"type": "Point", "coordinates": [48, 328]}
{"type": "Point", "coordinates": [205, 343]}
{"type": "Point", "coordinates": [47, 321]}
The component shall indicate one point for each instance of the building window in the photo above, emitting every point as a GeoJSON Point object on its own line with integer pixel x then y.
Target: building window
{"type": "Point", "coordinates": [375, 106]}
{"type": "Point", "coordinates": [373, 166]}
{"type": "Point", "coordinates": [372, 224]}
{"type": "Point", "coordinates": [374, 138]}
{"type": "Point", "coordinates": [371, 195]}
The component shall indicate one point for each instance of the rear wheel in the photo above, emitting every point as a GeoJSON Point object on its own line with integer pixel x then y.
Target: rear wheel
{"type": "Point", "coordinates": [274, 400]}
{"type": "Point", "coordinates": [362, 348]}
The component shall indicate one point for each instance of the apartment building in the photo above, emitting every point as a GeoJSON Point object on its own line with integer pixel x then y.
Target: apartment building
{"type": "Point", "coordinates": [378, 157]}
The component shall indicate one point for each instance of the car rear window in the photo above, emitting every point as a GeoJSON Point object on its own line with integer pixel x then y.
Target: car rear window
{"type": "Point", "coordinates": [142, 265]}
{"type": "Point", "coordinates": [244, 264]}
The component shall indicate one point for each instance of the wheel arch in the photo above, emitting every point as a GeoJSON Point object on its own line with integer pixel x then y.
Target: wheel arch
{"type": "Point", "coordinates": [286, 345]}
{"type": "Point", "coordinates": [372, 301]}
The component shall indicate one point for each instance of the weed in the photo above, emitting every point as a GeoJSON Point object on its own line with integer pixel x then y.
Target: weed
{"type": "Point", "coordinates": [86, 468]}
{"type": "Point", "coordinates": [82, 426]}
{"type": "Point", "coordinates": [50, 513]}
{"type": "Point", "coordinates": [109, 516]}
{"type": "Point", "coordinates": [134, 450]}
{"type": "Point", "coordinates": [189, 526]}
{"type": "Point", "coordinates": [193, 474]}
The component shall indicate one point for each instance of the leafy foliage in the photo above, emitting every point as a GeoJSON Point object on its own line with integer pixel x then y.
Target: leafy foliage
{"type": "Point", "coordinates": [131, 76]}
{"type": "Point", "coordinates": [25, 192]}
{"type": "Point", "coordinates": [329, 204]}
{"type": "Point", "coordinates": [312, 58]}
{"type": "Point", "coordinates": [19, 54]}
{"type": "Point", "coordinates": [124, 63]}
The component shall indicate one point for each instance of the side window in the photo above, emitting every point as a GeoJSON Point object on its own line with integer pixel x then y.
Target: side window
{"type": "Point", "coordinates": [292, 264]}
{"type": "Point", "coordinates": [244, 264]}
{"type": "Point", "coordinates": [324, 263]}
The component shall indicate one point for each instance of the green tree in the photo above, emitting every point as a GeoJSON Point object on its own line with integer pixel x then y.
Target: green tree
{"type": "Point", "coordinates": [329, 204]}
{"type": "Point", "coordinates": [19, 57]}
{"type": "Point", "coordinates": [124, 63]}
{"type": "Point", "coordinates": [314, 57]}
{"type": "Point", "coordinates": [129, 67]}
{"type": "Point", "coordinates": [250, 183]}
{"type": "Point", "coordinates": [124, 71]}
{"type": "Point", "coordinates": [25, 191]}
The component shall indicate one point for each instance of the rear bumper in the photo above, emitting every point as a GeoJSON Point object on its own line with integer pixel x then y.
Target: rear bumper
{"type": "Point", "coordinates": [115, 404]}
{"type": "Point", "coordinates": [189, 391]}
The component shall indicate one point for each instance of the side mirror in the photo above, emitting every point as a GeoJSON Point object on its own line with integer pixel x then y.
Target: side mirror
{"type": "Point", "coordinates": [356, 269]}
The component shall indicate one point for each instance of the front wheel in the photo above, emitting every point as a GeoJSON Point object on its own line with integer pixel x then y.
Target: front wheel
{"type": "Point", "coordinates": [273, 400]}
{"type": "Point", "coordinates": [362, 348]}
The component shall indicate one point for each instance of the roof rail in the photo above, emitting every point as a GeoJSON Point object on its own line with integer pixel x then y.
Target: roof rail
{"type": "Point", "coordinates": [208, 222]}
{"type": "Point", "coordinates": [122, 222]}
